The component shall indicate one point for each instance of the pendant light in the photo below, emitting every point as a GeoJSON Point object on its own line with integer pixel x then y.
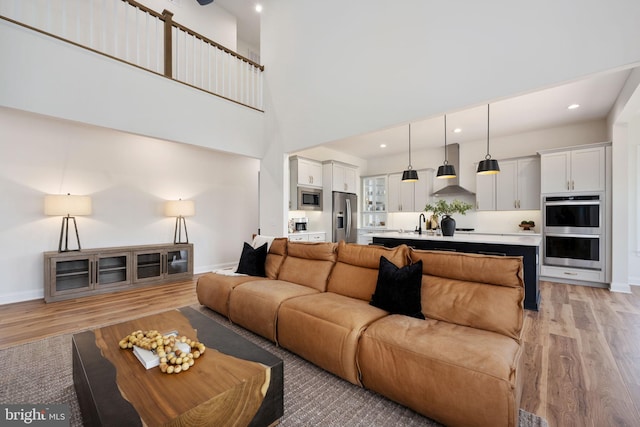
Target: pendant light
{"type": "Point", "coordinates": [446, 171]}
{"type": "Point", "coordinates": [409, 175]}
{"type": "Point", "coordinates": [488, 166]}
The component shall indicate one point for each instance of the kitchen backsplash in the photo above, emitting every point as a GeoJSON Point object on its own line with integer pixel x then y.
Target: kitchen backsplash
{"type": "Point", "coordinates": [484, 221]}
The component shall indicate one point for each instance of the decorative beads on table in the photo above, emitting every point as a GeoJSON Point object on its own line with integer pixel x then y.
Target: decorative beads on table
{"type": "Point", "coordinates": [172, 359]}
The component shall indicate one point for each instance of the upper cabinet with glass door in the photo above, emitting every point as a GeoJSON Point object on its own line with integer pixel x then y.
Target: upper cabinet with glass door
{"type": "Point", "coordinates": [374, 201]}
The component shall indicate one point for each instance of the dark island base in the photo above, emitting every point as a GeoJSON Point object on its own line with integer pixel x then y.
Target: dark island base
{"type": "Point", "coordinates": [528, 253]}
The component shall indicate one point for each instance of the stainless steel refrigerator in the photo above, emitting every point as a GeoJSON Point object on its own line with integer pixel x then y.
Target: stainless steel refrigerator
{"type": "Point", "coordinates": [345, 217]}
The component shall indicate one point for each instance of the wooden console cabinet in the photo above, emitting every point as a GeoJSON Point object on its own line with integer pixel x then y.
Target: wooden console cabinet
{"type": "Point", "coordinates": [95, 271]}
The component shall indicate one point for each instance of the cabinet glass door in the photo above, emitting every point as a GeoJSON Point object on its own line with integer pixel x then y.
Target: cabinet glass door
{"type": "Point", "coordinates": [374, 199]}
{"type": "Point", "coordinates": [148, 265]}
{"type": "Point", "coordinates": [72, 274]}
{"type": "Point", "coordinates": [112, 269]}
{"type": "Point", "coordinates": [177, 262]}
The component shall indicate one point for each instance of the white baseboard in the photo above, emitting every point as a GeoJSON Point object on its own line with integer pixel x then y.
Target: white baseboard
{"type": "Point", "coordinates": [21, 296]}
{"type": "Point", "coordinates": [621, 287]}
{"type": "Point", "coordinates": [634, 281]}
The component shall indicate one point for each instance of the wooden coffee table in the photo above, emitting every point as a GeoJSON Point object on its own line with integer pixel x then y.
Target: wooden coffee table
{"type": "Point", "coordinates": [234, 382]}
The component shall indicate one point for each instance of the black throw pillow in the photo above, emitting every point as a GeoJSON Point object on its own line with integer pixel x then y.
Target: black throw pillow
{"type": "Point", "coordinates": [398, 290]}
{"type": "Point", "coordinates": [252, 260]}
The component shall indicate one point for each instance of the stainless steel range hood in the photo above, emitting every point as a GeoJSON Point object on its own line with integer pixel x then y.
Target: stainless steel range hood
{"type": "Point", "coordinates": [453, 188]}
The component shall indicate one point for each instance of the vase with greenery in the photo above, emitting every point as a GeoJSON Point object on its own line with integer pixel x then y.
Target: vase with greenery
{"type": "Point", "coordinates": [446, 209]}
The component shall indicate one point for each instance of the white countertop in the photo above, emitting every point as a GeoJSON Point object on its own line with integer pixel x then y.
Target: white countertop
{"type": "Point", "coordinates": [524, 239]}
{"type": "Point", "coordinates": [306, 232]}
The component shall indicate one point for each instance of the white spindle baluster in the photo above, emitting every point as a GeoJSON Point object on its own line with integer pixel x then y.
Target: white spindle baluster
{"type": "Point", "coordinates": [91, 24]}
{"type": "Point", "coordinates": [64, 18]}
{"type": "Point", "coordinates": [48, 16]}
{"type": "Point", "coordinates": [77, 10]}
{"type": "Point", "coordinates": [208, 53]}
{"type": "Point", "coordinates": [193, 58]}
{"type": "Point", "coordinates": [116, 29]}
{"type": "Point", "coordinates": [225, 62]}
{"type": "Point", "coordinates": [216, 64]}
{"type": "Point", "coordinates": [137, 35]}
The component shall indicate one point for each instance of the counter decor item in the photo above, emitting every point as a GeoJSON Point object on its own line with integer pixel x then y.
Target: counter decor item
{"type": "Point", "coordinates": [446, 209]}
{"type": "Point", "coordinates": [527, 225]}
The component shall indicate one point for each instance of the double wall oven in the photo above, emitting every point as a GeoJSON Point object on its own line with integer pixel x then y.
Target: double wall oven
{"type": "Point", "coordinates": [574, 231]}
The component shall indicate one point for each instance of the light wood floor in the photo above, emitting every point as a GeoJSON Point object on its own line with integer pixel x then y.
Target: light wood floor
{"type": "Point", "coordinates": [582, 348]}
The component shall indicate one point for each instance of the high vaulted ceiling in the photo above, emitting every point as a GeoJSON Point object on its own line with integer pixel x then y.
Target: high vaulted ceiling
{"type": "Point", "coordinates": [536, 110]}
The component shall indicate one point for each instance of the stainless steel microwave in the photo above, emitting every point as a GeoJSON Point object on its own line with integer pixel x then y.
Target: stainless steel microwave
{"type": "Point", "coordinates": [309, 199]}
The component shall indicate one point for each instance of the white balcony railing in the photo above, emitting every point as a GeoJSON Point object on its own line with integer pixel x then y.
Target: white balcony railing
{"type": "Point", "coordinates": [133, 33]}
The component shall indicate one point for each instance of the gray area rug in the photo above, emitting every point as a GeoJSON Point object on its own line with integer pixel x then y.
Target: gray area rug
{"type": "Point", "coordinates": [312, 396]}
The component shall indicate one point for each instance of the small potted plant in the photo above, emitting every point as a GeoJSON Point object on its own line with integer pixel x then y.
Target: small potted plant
{"type": "Point", "coordinates": [446, 209]}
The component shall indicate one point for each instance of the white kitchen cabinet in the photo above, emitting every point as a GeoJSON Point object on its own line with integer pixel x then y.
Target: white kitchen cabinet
{"type": "Point", "coordinates": [317, 237]}
{"type": "Point", "coordinates": [306, 172]}
{"type": "Point", "coordinates": [423, 189]}
{"type": "Point", "coordinates": [486, 192]}
{"type": "Point", "coordinates": [573, 170]}
{"type": "Point", "coordinates": [341, 176]}
{"type": "Point", "coordinates": [410, 196]}
{"type": "Point", "coordinates": [314, 236]}
{"type": "Point", "coordinates": [518, 184]}
{"type": "Point", "coordinates": [401, 194]}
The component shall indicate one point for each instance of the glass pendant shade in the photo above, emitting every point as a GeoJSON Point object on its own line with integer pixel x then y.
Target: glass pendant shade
{"type": "Point", "coordinates": [409, 175]}
{"type": "Point", "coordinates": [446, 171]}
{"type": "Point", "coordinates": [488, 166]}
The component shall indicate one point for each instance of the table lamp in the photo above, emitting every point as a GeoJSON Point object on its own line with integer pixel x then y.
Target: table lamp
{"type": "Point", "coordinates": [180, 209]}
{"type": "Point", "coordinates": [69, 207]}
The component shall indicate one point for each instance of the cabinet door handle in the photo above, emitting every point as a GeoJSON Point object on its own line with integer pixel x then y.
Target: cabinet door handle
{"type": "Point", "coordinates": [570, 274]}
{"type": "Point", "coordinates": [568, 185]}
{"type": "Point", "coordinates": [573, 185]}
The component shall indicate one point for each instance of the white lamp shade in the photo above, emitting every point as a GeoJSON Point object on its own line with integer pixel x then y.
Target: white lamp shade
{"type": "Point", "coordinates": [66, 204]}
{"type": "Point", "coordinates": [179, 208]}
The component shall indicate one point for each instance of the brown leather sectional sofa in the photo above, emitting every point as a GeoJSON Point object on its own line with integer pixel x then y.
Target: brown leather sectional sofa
{"type": "Point", "coordinates": [460, 365]}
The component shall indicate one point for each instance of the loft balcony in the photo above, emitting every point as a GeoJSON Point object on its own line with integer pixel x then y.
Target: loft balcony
{"type": "Point", "coordinates": [130, 32]}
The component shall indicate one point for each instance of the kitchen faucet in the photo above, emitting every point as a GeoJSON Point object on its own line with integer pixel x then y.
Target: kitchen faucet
{"type": "Point", "coordinates": [421, 219]}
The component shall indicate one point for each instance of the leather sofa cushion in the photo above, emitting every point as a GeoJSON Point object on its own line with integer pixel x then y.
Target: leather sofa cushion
{"type": "Point", "coordinates": [481, 291]}
{"type": "Point", "coordinates": [324, 328]}
{"type": "Point", "coordinates": [254, 305]}
{"type": "Point", "coordinates": [495, 270]}
{"type": "Point", "coordinates": [356, 271]}
{"type": "Point", "coordinates": [308, 264]}
{"type": "Point", "coordinates": [430, 365]}
{"type": "Point", "coordinates": [213, 290]}
{"type": "Point", "coordinates": [275, 257]}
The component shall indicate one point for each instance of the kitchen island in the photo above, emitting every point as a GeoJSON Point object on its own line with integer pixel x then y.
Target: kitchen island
{"type": "Point", "coordinates": [526, 245]}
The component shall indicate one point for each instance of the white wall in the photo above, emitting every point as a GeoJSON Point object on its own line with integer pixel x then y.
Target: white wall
{"type": "Point", "coordinates": [128, 177]}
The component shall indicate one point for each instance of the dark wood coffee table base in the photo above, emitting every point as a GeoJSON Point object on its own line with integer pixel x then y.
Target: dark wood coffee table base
{"type": "Point", "coordinates": [225, 386]}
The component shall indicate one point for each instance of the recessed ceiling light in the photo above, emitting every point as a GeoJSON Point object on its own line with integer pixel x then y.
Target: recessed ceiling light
{"type": "Point", "coordinates": [573, 106]}
{"type": "Point", "coordinates": [258, 8]}
{"type": "Point", "coordinates": [383, 145]}
{"type": "Point", "coordinates": [457, 130]}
